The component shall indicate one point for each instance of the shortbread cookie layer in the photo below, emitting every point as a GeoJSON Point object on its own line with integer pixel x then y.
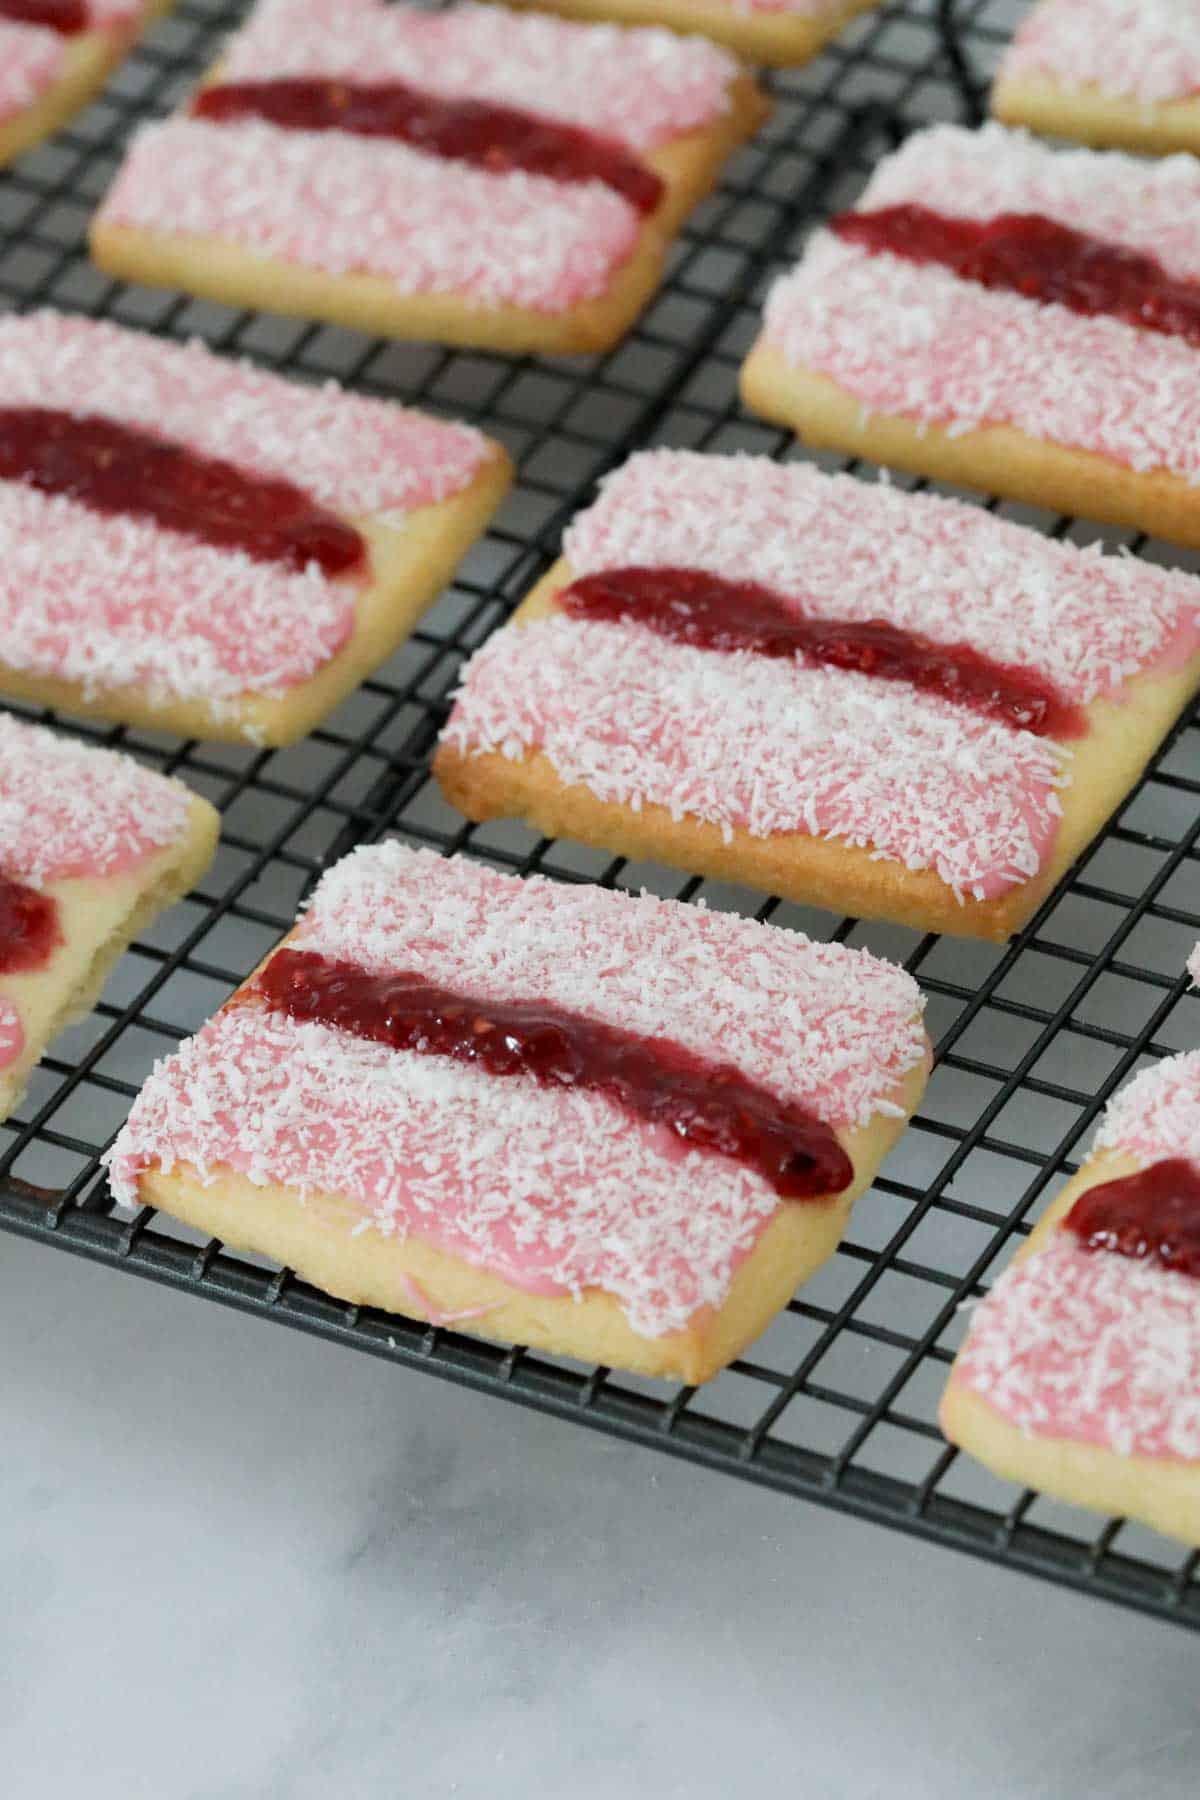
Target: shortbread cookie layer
{"type": "Point", "coordinates": [92, 847]}
{"type": "Point", "coordinates": [909, 362]}
{"type": "Point", "coordinates": [780, 33]}
{"type": "Point", "coordinates": [379, 235]}
{"type": "Point", "coordinates": [1081, 1372]}
{"type": "Point", "coordinates": [816, 781]}
{"type": "Point", "coordinates": [115, 615]}
{"type": "Point", "coordinates": [1107, 72]}
{"type": "Point", "coordinates": [46, 77]}
{"type": "Point", "coordinates": [528, 1210]}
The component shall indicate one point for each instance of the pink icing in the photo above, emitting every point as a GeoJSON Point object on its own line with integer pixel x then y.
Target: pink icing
{"type": "Point", "coordinates": [1097, 1348]}
{"type": "Point", "coordinates": [1147, 50]}
{"type": "Point", "coordinates": [420, 1299]}
{"type": "Point", "coordinates": [359, 206]}
{"type": "Point", "coordinates": [356, 455]}
{"type": "Point", "coordinates": [934, 566]}
{"type": "Point", "coordinates": [32, 58]}
{"type": "Point", "coordinates": [68, 810]}
{"type": "Point", "coordinates": [553, 1189]}
{"type": "Point", "coordinates": [115, 601]}
{"type": "Point", "coordinates": [640, 87]}
{"type": "Point", "coordinates": [916, 341]}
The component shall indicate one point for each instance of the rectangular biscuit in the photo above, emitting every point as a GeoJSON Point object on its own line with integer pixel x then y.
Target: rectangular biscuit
{"type": "Point", "coordinates": [908, 361]}
{"type": "Point", "coordinates": [806, 774]}
{"type": "Point", "coordinates": [47, 75]}
{"type": "Point", "coordinates": [386, 235]}
{"type": "Point", "coordinates": [549, 1212]}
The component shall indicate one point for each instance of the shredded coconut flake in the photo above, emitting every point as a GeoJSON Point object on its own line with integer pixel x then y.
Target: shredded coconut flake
{"type": "Point", "coordinates": [916, 341]}
{"type": "Point", "coordinates": [67, 809]}
{"type": "Point", "coordinates": [842, 549]}
{"type": "Point", "coordinates": [1094, 1347]}
{"type": "Point", "coordinates": [1147, 50]}
{"type": "Point", "coordinates": [554, 1189]}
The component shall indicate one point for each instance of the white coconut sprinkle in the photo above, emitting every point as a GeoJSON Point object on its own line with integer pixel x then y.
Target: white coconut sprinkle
{"type": "Point", "coordinates": [1147, 50]}
{"type": "Point", "coordinates": [68, 809]}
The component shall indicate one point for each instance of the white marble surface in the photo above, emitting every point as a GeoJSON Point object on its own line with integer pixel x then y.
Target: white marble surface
{"type": "Point", "coordinates": [238, 1564]}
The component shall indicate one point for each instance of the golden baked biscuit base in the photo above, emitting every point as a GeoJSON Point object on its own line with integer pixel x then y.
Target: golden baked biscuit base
{"type": "Point", "coordinates": [99, 916]}
{"type": "Point", "coordinates": [1155, 1491]}
{"type": "Point", "coordinates": [315, 1236]}
{"type": "Point", "coordinates": [996, 459]}
{"type": "Point", "coordinates": [1122, 737]}
{"type": "Point", "coordinates": [777, 40]}
{"type": "Point", "coordinates": [217, 270]}
{"type": "Point", "coordinates": [1087, 115]}
{"type": "Point", "coordinates": [411, 564]}
{"type": "Point", "coordinates": [91, 57]}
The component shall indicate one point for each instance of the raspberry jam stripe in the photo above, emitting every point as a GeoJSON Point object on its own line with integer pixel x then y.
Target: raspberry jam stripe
{"type": "Point", "coordinates": [496, 138]}
{"type": "Point", "coordinates": [115, 468]}
{"type": "Point", "coordinates": [68, 17]}
{"type": "Point", "coordinates": [1040, 258]}
{"type": "Point", "coordinates": [706, 1106]}
{"type": "Point", "coordinates": [29, 927]}
{"type": "Point", "coordinates": [690, 606]}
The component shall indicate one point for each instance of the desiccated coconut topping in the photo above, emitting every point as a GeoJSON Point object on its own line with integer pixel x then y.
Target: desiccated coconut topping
{"type": "Point", "coordinates": [1147, 50]}
{"type": "Point", "coordinates": [67, 809]}
{"type": "Point", "coordinates": [554, 1189]}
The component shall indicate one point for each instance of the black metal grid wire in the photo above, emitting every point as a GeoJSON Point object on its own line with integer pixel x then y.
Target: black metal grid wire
{"type": "Point", "coordinates": [836, 1403]}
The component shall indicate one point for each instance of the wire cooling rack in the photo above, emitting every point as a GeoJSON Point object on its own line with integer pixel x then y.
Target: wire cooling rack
{"type": "Point", "coordinates": [836, 1402]}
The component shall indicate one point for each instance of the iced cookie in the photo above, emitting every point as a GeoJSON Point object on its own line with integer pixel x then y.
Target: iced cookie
{"type": "Point", "coordinates": [889, 704]}
{"type": "Point", "coordinates": [1081, 1372]}
{"type": "Point", "coordinates": [191, 544]}
{"type": "Point", "coordinates": [780, 33]}
{"type": "Point", "coordinates": [92, 847]}
{"type": "Point", "coordinates": [620, 1129]}
{"type": "Point", "coordinates": [1012, 317]}
{"type": "Point", "coordinates": [54, 55]}
{"type": "Point", "coordinates": [1123, 72]}
{"type": "Point", "coordinates": [466, 176]}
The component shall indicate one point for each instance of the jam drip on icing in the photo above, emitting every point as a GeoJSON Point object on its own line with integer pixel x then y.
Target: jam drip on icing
{"type": "Point", "coordinates": [1152, 1216]}
{"type": "Point", "coordinates": [487, 135]}
{"type": "Point", "coordinates": [1027, 253]}
{"type": "Point", "coordinates": [692, 607]}
{"type": "Point", "coordinates": [65, 16]}
{"type": "Point", "coordinates": [115, 468]}
{"type": "Point", "coordinates": [707, 1106]}
{"type": "Point", "coordinates": [29, 927]}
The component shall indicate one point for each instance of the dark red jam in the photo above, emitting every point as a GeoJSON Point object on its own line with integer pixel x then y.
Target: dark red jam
{"type": "Point", "coordinates": [1026, 253]}
{"type": "Point", "coordinates": [709, 1106]}
{"type": "Point", "coordinates": [114, 468]}
{"type": "Point", "coordinates": [29, 928]}
{"type": "Point", "coordinates": [67, 16]}
{"type": "Point", "coordinates": [1153, 1216]}
{"type": "Point", "coordinates": [493, 137]}
{"type": "Point", "coordinates": [706, 610]}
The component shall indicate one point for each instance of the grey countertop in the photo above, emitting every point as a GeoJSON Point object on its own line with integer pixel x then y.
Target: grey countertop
{"type": "Point", "coordinates": [238, 1564]}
